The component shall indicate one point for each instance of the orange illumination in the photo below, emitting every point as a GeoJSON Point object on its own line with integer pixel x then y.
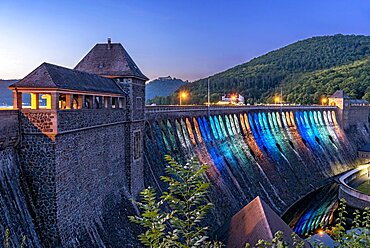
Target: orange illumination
{"type": "Point", "coordinates": [184, 94]}
{"type": "Point", "coordinates": [321, 232]}
{"type": "Point", "coordinates": [324, 100]}
{"type": "Point", "coordinates": [277, 99]}
{"type": "Point", "coordinates": [34, 100]}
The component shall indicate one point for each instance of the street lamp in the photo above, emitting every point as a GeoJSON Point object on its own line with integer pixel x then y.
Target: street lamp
{"type": "Point", "coordinates": [233, 99]}
{"type": "Point", "coordinates": [277, 99]}
{"type": "Point", "coordinates": [183, 94]}
{"type": "Point", "coordinates": [324, 100]}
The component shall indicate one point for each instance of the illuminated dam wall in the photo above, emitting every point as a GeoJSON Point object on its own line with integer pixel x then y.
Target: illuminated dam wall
{"type": "Point", "coordinates": [280, 154]}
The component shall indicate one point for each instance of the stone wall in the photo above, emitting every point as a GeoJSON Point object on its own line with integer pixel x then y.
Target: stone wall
{"type": "Point", "coordinates": [75, 167]}
{"type": "Point", "coordinates": [353, 197]}
{"type": "Point", "coordinates": [90, 173]}
{"type": "Point", "coordinates": [14, 212]}
{"type": "Point", "coordinates": [39, 121]}
{"type": "Point", "coordinates": [358, 115]}
{"type": "Point", "coordinates": [37, 160]}
{"type": "Point", "coordinates": [85, 118]}
{"type": "Point", "coordinates": [9, 126]}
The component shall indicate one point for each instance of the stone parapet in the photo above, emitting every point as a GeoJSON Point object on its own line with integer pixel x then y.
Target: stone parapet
{"type": "Point", "coordinates": [69, 120]}
{"type": "Point", "coordinates": [174, 112]}
{"type": "Point", "coordinates": [353, 197]}
{"type": "Point", "coordinates": [39, 121]}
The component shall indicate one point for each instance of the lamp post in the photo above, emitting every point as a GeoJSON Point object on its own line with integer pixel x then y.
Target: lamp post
{"type": "Point", "coordinates": [277, 99]}
{"type": "Point", "coordinates": [183, 94]}
{"type": "Point", "coordinates": [233, 99]}
{"type": "Point", "coordinates": [208, 98]}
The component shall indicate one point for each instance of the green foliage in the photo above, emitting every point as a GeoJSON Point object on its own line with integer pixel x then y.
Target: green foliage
{"type": "Point", "coordinates": [357, 220]}
{"type": "Point", "coordinates": [339, 230]}
{"type": "Point", "coordinates": [187, 198]}
{"type": "Point", "coordinates": [153, 220]}
{"type": "Point", "coordinates": [23, 244]}
{"type": "Point", "coordinates": [7, 238]}
{"type": "Point", "coordinates": [178, 224]}
{"type": "Point", "coordinates": [277, 241]}
{"type": "Point", "coordinates": [307, 70]}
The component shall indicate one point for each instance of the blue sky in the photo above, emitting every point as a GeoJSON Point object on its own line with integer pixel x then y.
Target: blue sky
{"type": "Point", "coordinates": [186, 39]}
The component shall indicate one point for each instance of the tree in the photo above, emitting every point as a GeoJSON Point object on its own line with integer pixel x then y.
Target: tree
{"type": "Point", "coordinates": [174, 220]}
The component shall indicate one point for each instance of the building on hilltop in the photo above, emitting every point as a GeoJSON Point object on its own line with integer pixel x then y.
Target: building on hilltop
{"type": "Point", "coordinates": [81, 152]}
{"type": "Point", "coordinates": [232, 99]}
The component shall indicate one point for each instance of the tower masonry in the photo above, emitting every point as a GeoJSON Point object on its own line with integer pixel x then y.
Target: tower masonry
{"type": "Point", "coordinates": [82, 141]}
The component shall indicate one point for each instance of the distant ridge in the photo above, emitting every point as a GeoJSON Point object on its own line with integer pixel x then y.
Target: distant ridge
{"type": "Point", "coordinates": [162, 86]}
{"type": "Point", "coordinates": [306, 70]}
{"type": "Point", "coordinates": [6, 98]}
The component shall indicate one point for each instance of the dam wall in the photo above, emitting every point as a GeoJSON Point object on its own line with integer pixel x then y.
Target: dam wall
{"type": "Point", "coordinates": [9, 126]}
{"type": "Point", "coordinates": [279, 153]}
{"type": "Point", "coordinates": [15, 214]}
{"type": "Point", "coordinates": [73, 173]}
{"type": "Point", "coordinates": [74, 166]}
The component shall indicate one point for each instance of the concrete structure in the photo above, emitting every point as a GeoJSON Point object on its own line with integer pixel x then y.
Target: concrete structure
{"type": "Point", "coordinates": [351, 112]}
{"type": "Point", "coordinates": [364, 153]}
{"type": "Point", "coordinates": [353, 197]}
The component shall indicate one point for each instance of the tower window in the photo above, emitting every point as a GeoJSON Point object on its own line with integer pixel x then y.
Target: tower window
{"type": "Point", "coordinates": [137, 144]}
{"type": "Point", "coordinates": [139, 103]}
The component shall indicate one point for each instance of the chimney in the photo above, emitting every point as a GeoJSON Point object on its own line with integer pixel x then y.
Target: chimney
{"type": "Point", "coordinates": [109, 43]}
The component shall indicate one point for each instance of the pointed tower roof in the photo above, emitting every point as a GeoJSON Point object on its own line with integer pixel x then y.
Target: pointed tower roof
{"type": "Point", "coordinates": [49, 76]}
{"type": "Point", "coordinates": [339, 94]}
{"type": "Point", "coordinates": [254, 222]}
{"type": "Point", "coordinates": [110, 60]}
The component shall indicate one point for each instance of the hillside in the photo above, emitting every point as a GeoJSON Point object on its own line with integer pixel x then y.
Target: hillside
{"type": "Point", "coordinates": [6, 98]}
{"type": "Point", "coordinates": [163, 86]}
{"type": "Point", "coordinates": [306, 70]}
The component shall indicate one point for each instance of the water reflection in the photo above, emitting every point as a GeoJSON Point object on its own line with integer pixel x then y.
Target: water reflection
{"type": "Point", "coordinates": [314, 211]}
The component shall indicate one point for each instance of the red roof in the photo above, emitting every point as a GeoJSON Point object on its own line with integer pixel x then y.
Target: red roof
{"type": "Point", "coordinates": [254, 222]}
{"type": "Point", "coordinates": [57, 77]}
{"type": "Point", "coordinates": [110, 59]}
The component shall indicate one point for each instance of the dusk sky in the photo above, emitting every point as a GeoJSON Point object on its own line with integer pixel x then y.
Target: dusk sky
{"type": "Point", "coordinates": [185, 39]}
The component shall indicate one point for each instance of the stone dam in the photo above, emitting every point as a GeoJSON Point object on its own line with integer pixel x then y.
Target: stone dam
{"type": "Point", "coordinates": [74, 189]}
{"type": "Point", "coordinates": [72, 164]}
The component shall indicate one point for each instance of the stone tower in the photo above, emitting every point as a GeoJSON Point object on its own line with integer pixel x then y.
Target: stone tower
{"type": "Point", "coordinates": [341, 100]}
{"type": "Point", "coordinates": [352, 113]}
{"type": "Point", "coordinates": [81, 146]}
{"type": "Point", "coordinates": [112, 61]}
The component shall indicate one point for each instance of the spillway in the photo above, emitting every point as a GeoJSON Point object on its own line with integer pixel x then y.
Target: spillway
{"type": "Point", "coordinates": [278, 155]}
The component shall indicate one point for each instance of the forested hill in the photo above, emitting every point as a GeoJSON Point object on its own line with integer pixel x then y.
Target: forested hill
{"type": "Point", "coordinates": [306, 70]}
{"type": "Point", "coordinates": [163, 86]}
